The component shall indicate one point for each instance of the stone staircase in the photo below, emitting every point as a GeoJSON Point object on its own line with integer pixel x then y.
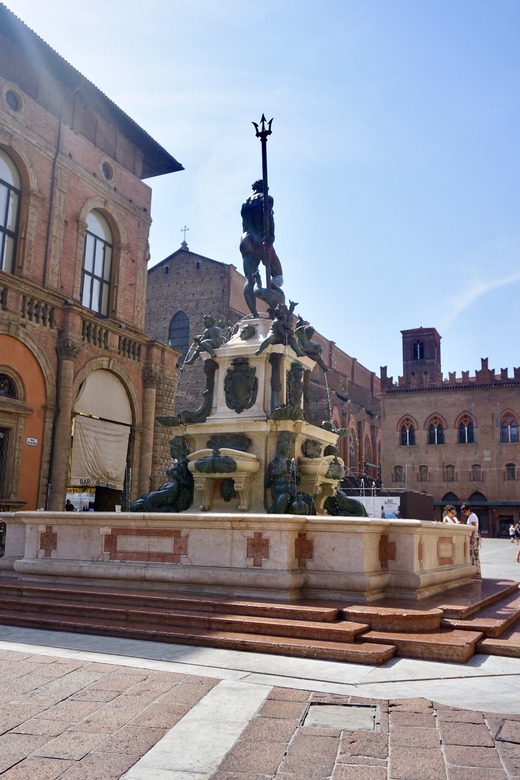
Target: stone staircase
{"type": "Point", "coordinates": [483, 616]}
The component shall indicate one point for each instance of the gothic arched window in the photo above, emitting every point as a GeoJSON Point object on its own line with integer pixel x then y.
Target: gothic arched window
{"type": "Point", "coordinates": [466, 430]}
{"type": "Point", "coordinates": [407, 435]}
{"type": "Point", "coordinates": [179, 334]}
{"type": "Point", "coordinates": [509, 429]}
{"type": "Point", "coordinates": [436, 433]}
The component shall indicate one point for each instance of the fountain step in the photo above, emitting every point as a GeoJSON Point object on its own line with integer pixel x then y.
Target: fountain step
{"type": "Point", "coordinates": [493, 619]}
{"type": "Point", "coordinates": [506, 644]}
{"type": "Point", "coordinates": [465, 601]}
{"type": "Point", "coordinates": [401, 619]}
{"type": "Point", "coordinates": [459, 602]}
{"type": "Point", "coordinates": [167, 600]}
{"type": "Point", "coordinates": [360, 652]}
{"type": "Point", "coordinates": [409, 627]}
{"type": "Point", "coordinates": [442, 645]}
{"type": "Point", "coordinates": [344, 631]}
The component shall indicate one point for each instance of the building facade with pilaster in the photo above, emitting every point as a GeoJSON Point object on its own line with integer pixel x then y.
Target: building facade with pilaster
{"type": "Point", "coordinates": [80, 382]}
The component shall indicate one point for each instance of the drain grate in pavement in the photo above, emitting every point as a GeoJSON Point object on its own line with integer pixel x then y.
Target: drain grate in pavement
{"type": "Point", "coordinates": [348, 717]}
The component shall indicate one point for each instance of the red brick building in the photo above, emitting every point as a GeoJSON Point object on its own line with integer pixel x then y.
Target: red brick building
{"type": "Point", "coordinates": [79, 379]}
{"type": "Point", "coordinates": [456, 438]}
{"type": "Point", "coordinates": [185, 286]}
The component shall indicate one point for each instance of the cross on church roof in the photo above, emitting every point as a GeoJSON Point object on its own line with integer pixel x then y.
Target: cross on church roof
{"type": "Point", "coordinates": [184, 245]}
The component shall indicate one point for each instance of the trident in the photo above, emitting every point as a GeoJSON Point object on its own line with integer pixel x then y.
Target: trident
{"type": "Point", "coordinates": [262, 134]}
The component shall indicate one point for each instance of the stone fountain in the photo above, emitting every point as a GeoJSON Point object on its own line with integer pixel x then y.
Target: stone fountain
{"type": "Point", "coordinates": [250, 508]}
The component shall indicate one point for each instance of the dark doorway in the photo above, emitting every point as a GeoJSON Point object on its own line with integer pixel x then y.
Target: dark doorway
{"type": "Point", "coordinates": [107, 499]}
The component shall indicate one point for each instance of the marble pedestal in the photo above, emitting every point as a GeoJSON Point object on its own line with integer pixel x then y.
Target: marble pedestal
{"type": "Point", "coordinates": [260, 418]}
{"type": "Point", "coordinates": [239, 555]}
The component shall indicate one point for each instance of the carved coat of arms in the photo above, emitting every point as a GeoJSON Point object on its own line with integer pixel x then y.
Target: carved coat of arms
{"type": "Point", "coordinates": [240, 385]}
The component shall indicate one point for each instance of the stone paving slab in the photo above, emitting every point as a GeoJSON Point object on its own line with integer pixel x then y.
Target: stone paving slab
{"type": "Point", "coordinates": [102, 721]}
{"type": "Point", "coordinates": [416, 739]}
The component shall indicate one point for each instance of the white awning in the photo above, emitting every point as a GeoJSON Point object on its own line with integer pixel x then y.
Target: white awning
{"type": "Point", "coordinates": [99, 453]}
{"type": "Point", "coordinates": [103, 395]}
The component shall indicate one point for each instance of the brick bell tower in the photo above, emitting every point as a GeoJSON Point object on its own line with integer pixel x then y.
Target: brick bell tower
{"type": "Point", "coordinates": [421, 357]}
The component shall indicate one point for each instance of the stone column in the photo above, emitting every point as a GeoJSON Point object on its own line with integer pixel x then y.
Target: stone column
{"type": "Point", "coordinates": [59, 465]}
{"type": "Point", "coordinates": [151, 379]}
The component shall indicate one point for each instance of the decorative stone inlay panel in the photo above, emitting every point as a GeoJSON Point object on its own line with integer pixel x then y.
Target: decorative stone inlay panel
{"type": "Point", "coordinates": [303, 549]}
{"type": "Point", "coordinates": [257, 548]}
{"type": "Point", "coordinates": [386, 551]}
{"type": "Point", "coordinates": [145, 544]}
{"type": "Point", "coordinates": [420, 552]}
{"type": "Point", "coordinates": [445, 551]}
{"type": "Point", "coordinates": [48, 541]}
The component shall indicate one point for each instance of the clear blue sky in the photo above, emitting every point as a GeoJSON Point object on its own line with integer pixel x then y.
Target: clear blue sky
{"type": "Point", "coordinates": [394, 160]}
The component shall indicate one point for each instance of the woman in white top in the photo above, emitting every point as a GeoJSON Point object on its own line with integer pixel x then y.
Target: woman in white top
{"type": "Point", "coordinates": [450, 514]}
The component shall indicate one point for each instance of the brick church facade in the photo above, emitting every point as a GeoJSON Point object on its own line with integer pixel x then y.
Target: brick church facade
{"type": "Point", "coordinates": [80, 381]}
{"type": "Point", "coordinates": [456, 438]}
{"type": "Point", "coordinates": [185, 286]}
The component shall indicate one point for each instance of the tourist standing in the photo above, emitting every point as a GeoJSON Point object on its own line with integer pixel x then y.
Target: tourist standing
{"type": "Point", "coordinates": [474, 542]}
{"type": "Point", "coordinates": [450, 515]}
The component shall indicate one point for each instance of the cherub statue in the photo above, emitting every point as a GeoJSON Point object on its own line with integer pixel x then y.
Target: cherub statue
{"type": "Point", "coordinates": [281, 330]}
{"type": "Point", "coordinates": [208, 341]}
{"type": "Point", "coordinates": [304, 333]}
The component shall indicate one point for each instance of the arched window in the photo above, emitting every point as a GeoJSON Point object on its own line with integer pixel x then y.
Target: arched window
{"type": "Point", "coordinates": [510, 474]}
{"type": "Point", "coordinates": [476, 473]}
{"type": "Point", "coordinates": [466, 430]}
{"type": "Point", "coordinates": [418, 350]}
{"type": "Point", "coordinates": [407, 435]}
{"type": "Point", "coordinates": [398, 474]}
{"type": "Point", "coordinates": [423, 474]}
{"type": "Point", "coordinates": [97, 264]}
{"type": "Point", "coordinates": [509, 429]}
{"type": "Point", "coordinates": [436, 433]}
{"type": "Point", "coordinates": [179, 334]}
{"type": "Point", "coordinates": [10, 194]}
{"type": "Point", "coordinates": [449, 473]}
{"type": "Point", "coordinates": [7, 387]}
